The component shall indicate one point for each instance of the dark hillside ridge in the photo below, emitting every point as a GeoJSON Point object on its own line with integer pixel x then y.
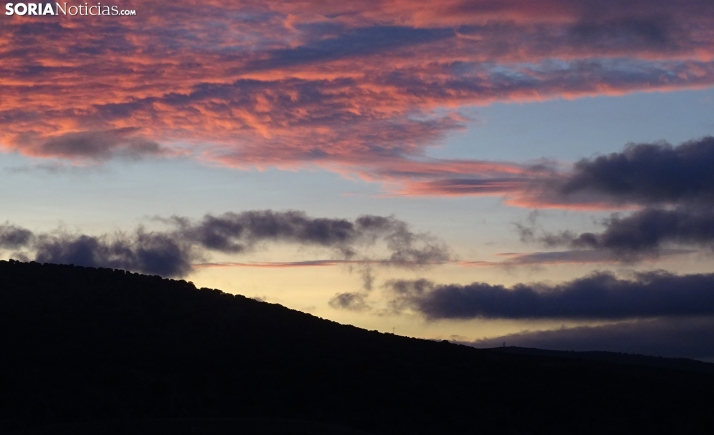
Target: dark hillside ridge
{"type": "Point", "coordinates": [83, 346]}
{"type": "Point", "coordinates": [615, 357]}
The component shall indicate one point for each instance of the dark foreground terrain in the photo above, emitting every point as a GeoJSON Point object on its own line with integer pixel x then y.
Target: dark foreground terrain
{"type": "Point", "coordinates": [110, 352]}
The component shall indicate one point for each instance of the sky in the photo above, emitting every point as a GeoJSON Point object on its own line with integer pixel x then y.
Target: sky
{"type": "Point", "coordinates": [534, 172]}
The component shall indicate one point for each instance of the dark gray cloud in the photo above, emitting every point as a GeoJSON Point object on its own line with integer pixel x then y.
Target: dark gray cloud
{"type": "Point", "coordinates": [640, 234]}
{"type": "Point", "coordinates": [367, 273]}
{"type": "Point", "coordinates": [152, 253]}
{"type": "Point", "coordinates": [598, 296]}
{"type": "Point", "coordinates": [647, 174]}
{"type": "Point", "coordinates": [13, 237]}
{"type": "Point", "coordinates": [676, 338]}
{"type": "Point", "coordinates": [171, 252]}
{"type": "Point", "coordinates": [352, 301]}
{"type": "Point", "coordinates": [94, 145]}
{"type": "Point", "coordinates": [675, 184]}
{"type": "Point", "coordinates": [238, 232]}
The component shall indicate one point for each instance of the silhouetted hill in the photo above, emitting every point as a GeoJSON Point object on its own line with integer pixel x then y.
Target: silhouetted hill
{"type": "Point", "coordinates": [615, 358]}
{"type": "Point", "coordinates": [84, 348]}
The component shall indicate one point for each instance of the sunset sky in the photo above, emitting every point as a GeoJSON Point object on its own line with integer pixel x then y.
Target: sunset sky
{"type": "Point", "coordinates": [539, 172]}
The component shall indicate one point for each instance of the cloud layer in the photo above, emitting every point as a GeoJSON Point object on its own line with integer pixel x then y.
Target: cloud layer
{"type": "Point", "coordinates": [172, 252]}
{"type": "Point", "coordinates": [644, 233]}
{"type": "Point", "coordinates": [671, 188]}
{"type": "Point", "coordinates": [648, 174]}
{"type": "Point", "coordinates": [642, 174]}
{"type": "Point", "coordinates": [675, 338]}
{"type": "Point", "coordinates": [361, 89]}
{"type": "Point", "coordinates": [598, 296]}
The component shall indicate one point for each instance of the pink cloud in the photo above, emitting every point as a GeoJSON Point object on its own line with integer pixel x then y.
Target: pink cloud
{"type": "Point", "coordinates": [362, 89]}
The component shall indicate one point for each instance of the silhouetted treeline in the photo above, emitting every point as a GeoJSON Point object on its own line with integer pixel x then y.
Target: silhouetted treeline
{"type": "Point", "coordinates": [82, 344]}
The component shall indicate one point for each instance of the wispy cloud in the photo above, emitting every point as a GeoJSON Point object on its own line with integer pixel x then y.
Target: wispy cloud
{"type": "Point", "coordinates": [313, 263]}
{"type": "Point", "coordinates": [563, 257]}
